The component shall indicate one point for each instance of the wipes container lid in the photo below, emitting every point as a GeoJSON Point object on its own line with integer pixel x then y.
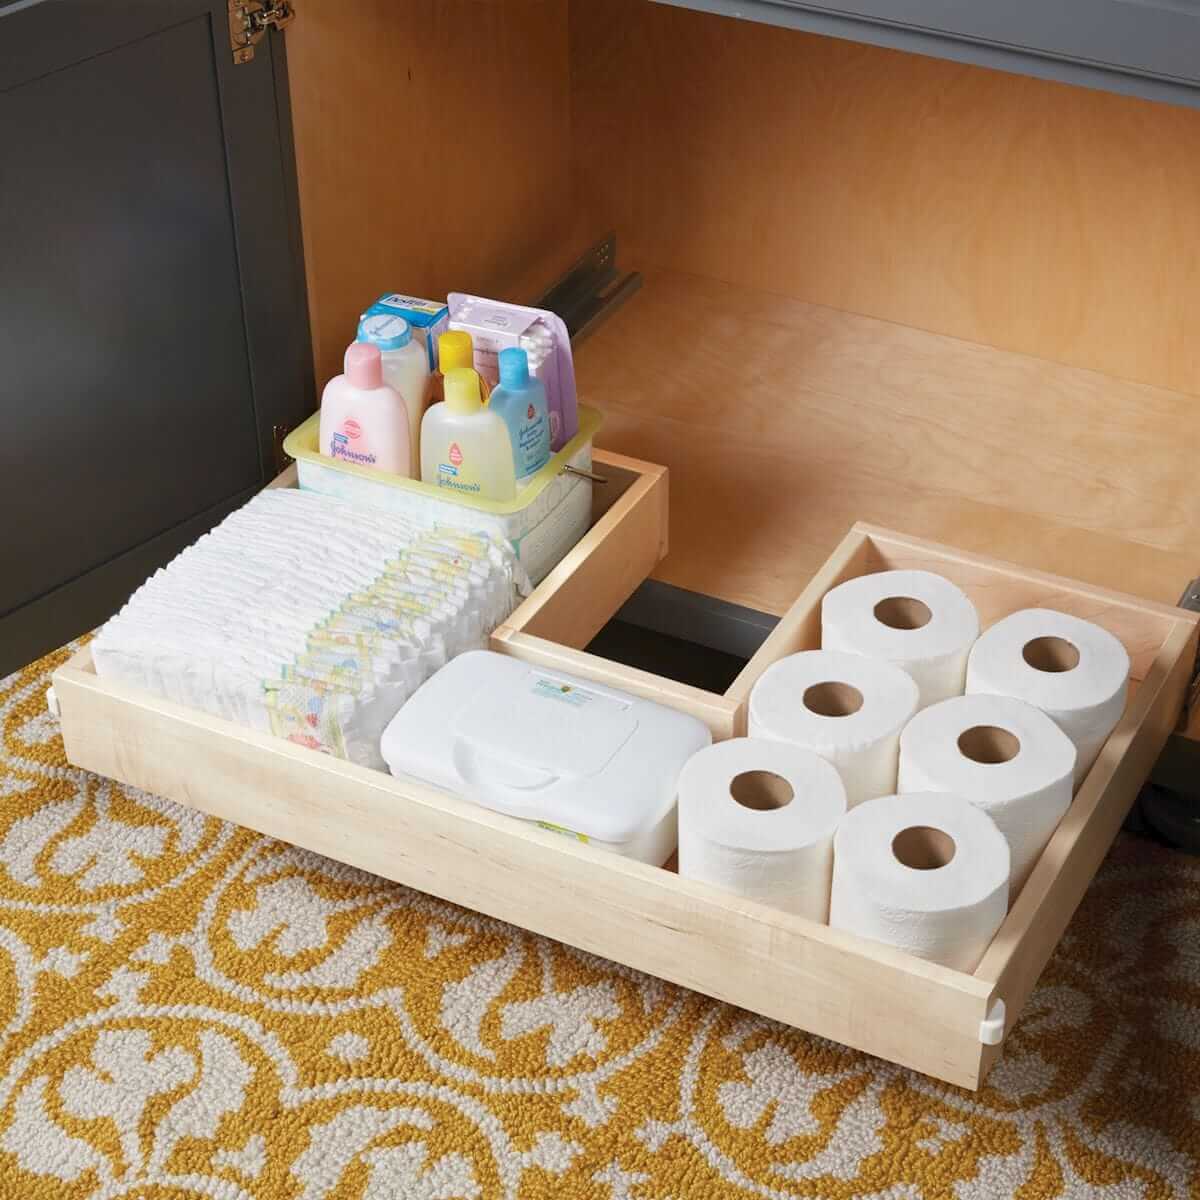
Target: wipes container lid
{"type": "Point", "coordinates": [544, 746]}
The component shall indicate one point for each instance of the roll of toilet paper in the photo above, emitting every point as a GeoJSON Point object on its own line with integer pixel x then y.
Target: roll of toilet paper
{"type": "Point", "coordinates": [1074, 671]}
{"type": "Point", "coordinates": [757, 817]}
{"type": "Point", "coordinates": [925, 872]}
{"type": "Point", "coordinates": [915, 619]}
{"type": "Point", "coordinates": [1004, 756]}
{"type": "Point", "coordinates": [846, 708]}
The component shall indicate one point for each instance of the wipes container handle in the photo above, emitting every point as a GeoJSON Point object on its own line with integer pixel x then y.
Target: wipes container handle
{"type": "Point", "coordinates": [518, 790]}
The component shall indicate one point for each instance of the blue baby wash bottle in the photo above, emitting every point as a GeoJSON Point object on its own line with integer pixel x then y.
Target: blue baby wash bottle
{"type": "Point", "coordinates": [520, 399]}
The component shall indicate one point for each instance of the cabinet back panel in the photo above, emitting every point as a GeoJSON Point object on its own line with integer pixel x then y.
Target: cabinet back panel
{"type": "Point", "coordinates": [1023, 214]}
{"type": "Point", "coordinates": [783, 423]}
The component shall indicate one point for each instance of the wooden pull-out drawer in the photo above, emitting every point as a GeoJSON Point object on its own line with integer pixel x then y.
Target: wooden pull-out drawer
{"type": "Point", "coordinates": [939, 1021]}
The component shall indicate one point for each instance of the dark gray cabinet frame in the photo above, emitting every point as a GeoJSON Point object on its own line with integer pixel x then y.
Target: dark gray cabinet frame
{"type": "Point", "coordinates": [38, 37]}
{"type": "Point", "coordinates": [1147, 48]}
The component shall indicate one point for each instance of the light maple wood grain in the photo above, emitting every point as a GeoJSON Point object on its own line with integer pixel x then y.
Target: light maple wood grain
{"type": "Point", "coordinates": [800, 627]}
{"type": "Point", "coordinates": [552, 627]}
{"type": "Point", "coordinates": [1020, 214]}
{"type": "Point", "coordinates": [1033, 216]}
{"type": "Point", "coordinates": [998, 589]}
{"type": "Point", "coordinates": [784, 422]}
{"type": "Point", "coordinates": [598, 574]}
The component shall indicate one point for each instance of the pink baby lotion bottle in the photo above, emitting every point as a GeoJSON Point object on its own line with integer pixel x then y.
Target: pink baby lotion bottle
{"type": "Point", "coordinates": [363, 421]}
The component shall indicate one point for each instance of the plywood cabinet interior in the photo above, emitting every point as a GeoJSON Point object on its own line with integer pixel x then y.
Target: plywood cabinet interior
{"type": "Point", "coordinates": [1023, 214]}
{"type": "Point", "coordinates": [879, 286]}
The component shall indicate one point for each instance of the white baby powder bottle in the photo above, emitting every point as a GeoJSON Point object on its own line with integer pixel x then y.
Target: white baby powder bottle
{"type": "Point", "coordinates": [405, 368]}
{"type": "Point", "coordinates": [363, 421]}
{"type": "Point", "coordinates": [465, 448]}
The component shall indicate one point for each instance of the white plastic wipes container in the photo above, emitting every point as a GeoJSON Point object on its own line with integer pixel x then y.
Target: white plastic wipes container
{"type": "Point", "coordinates": [573, 756]}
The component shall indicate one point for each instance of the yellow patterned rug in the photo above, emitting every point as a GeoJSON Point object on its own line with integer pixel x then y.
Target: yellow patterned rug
{"type": "Point", "coordinates": [189, 1009]}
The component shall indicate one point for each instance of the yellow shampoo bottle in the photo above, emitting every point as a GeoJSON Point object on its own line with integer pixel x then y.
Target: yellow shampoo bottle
{"type": "Point", "coordinates": [455, 349]}
{"type": "Point", "coordinates": [465, 448]}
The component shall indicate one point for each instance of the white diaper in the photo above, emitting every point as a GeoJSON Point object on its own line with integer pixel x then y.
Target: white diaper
{"type": "Point", "coordinates": [308, 618]}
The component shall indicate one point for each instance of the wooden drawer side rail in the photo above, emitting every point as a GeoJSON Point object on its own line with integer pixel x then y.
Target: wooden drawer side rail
{"type": "Point", "coordinates": [998, 588]}
{"type": "Point", "coordinates": [581, 594]}
{"type": "Point", "coordinates": [800, 627]}
{"type": "Point", "coordinates": [626, 542]}
{"type": "Point", "coordinates": [1020, 950]}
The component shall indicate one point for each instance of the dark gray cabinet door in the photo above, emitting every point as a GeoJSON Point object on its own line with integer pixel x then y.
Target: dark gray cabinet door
{"type": "Point", "coordinates": [152, 319]}
{"type": "Point", "coordinates": [1147, 48]}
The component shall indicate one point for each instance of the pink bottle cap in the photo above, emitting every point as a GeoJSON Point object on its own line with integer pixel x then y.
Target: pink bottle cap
{"type": "Point", "coordinates": [363, 366]}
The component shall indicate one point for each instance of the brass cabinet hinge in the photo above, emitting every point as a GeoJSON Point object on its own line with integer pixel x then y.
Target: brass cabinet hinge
{"type": "Point", "coordinates": [249, 21]}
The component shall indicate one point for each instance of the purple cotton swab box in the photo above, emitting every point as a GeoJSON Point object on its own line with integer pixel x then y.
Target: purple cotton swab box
{"type": "Point", "coordinates": [495, 325]}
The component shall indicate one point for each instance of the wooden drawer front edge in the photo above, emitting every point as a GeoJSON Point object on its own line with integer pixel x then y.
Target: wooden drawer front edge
{"type": "Point", "coordinates": [872, 998]}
